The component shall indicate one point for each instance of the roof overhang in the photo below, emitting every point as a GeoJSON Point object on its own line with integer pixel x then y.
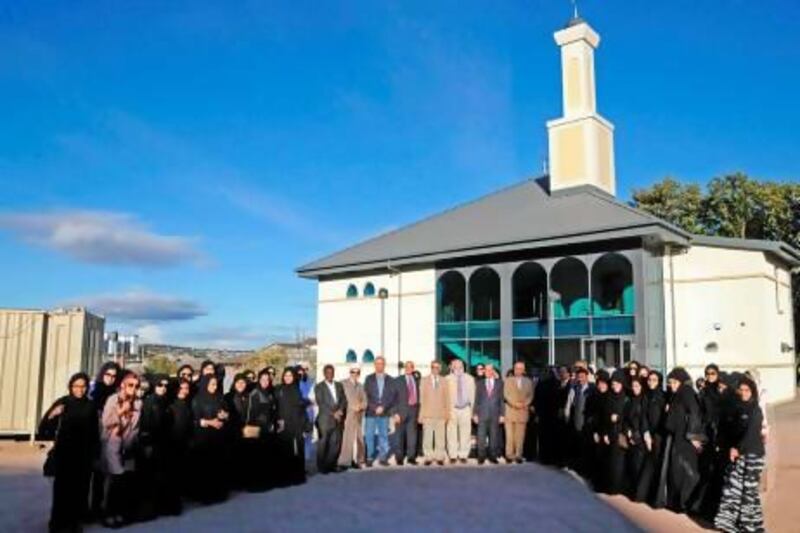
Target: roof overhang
{"type": "Point", "coordinates": [779, 249]}
{"type": "Point", "coordinates": [655, 232]}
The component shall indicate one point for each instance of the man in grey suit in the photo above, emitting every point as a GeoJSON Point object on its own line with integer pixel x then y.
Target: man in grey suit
{"type": "Point", "coordinates": [488, 413]}
{"type": "Point", "coordinates": [331, 408]}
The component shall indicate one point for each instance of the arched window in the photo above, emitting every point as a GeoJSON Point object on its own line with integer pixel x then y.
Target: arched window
{"type": "Point", "coordinates": [351, 356]}
{"type": "Point", "coordinates": [529, 285]}
{"type": "Point", "coordinates": [612, 286]}
{"type": "Point", "coordinates": [369, 289]}
{"type": "Point", "coordinates": [352, 291]}
{"type": "Point", "coordinates": [451, 292]}
{"type": "Point", "coordinates": [570, 279]}
{"type": "Point", "coordinates": [484, 295]}
{"type": "Point", "coordinates": [368, 357]}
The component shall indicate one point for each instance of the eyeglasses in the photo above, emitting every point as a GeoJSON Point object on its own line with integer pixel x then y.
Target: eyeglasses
{"type": "Point", "coordinates": [161, 385]}
{"type": "Point", "coordinates": [131, 385]}
{"type": "Point", "coordinates": [710, 374]}
{"type": "Point", "coordinates": [354, 372]}
{"type": "Point", "coordinates": [110, 374]}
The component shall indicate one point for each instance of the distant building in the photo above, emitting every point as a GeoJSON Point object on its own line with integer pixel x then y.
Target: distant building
{"type": "Point", "coordinates": [124, 349]}
{"type": "Point", "coordinates": [39, 351]}
{"type": "Point", "coordinates": [557, 268]}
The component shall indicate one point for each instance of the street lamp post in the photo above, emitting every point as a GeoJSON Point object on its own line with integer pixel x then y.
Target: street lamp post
{"type": "Point", "coordinates": [552, 298]}
{"type": "Point", "coordinates": [383, 294]}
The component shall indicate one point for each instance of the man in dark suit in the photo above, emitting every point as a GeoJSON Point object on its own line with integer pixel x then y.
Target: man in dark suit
{"type": "Point", "coordinates": [331, 408]}
{"type": "Point", "coordinates": [488, 413]}
{"type": "Point", "coordinates": [381, 398]}
{"type": "Point", "coordinates": [406, 414]}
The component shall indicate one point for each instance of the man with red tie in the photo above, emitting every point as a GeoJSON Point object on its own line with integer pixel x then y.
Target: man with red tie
{"type": "Point", "coordinates": [488, 413]}
{"type": "Point", "coordinates": [405, 415]}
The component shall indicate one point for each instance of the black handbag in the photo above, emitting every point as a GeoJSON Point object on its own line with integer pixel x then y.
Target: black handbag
{"type": "Point", "coordinates": [49, 467]}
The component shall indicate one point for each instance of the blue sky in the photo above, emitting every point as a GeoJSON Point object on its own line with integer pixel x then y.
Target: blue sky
{"type": "Point", "coordinates": [171, 163]}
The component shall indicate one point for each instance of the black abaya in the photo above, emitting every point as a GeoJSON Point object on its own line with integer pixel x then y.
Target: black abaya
{"type": "Point", "coordinates": [683, 424]}
{"type": "Point", "coordinates": [209, 482]}
{"type": "Point", "coordinates": [262, 414]}
{"type": "Point", "coordinates": [614, 456]}
{"type": "Point", "coordinates": [647, 490]}
{"type": "Point", "coordinates": [635, 426]}
{"type": "Point", "coordinates": [77, 443]}
{"type": "Point", "coordinates": [292, 414]}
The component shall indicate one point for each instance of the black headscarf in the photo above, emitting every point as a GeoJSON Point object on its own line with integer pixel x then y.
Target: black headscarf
{"type": "Point", "coordinates": [206, 405]}
{"type": "Point", "coordinates": [101, 391]}
{"type": "Point", "coordinates": [75, 430]}
{"type": "Point", "coordinates": [680, 374]}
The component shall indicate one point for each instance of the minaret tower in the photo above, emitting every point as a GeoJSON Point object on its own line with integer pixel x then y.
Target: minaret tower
{"type": "Point", "coordinates": [581, 142]}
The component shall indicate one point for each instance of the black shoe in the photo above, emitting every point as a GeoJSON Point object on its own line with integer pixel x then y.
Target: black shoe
{"type": "Point", "coordinates": [384, 462]}
{"type": "Point", "coordinates": [412, 462]}
{"type": "Point", "coordinates": [481, 461]}
{"type": "Point", "coordinates": [399, 462]}
{"type": "Point", "coordinates": [340, 468]}
{"type": "Point", "coordinates": [427, 463]}
{"type": "Point", "coordinates": [493, 460]}
{"type": "Point", "coordinates": [520, 460]}
{"type": "Point", "coordinates": [355, 466]}
{"type": "Point", "coordinates": [463, 461]}
{"type": "Point", "coordinates": [440, 463]}
{"type": "Point", "coordinates": [453, 461]}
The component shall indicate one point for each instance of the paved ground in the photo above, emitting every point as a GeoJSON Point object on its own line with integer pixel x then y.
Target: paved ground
{"type": "Point", "coordinates": [459, 498]}
{"type": "Point", "coordinates": [469, 498]}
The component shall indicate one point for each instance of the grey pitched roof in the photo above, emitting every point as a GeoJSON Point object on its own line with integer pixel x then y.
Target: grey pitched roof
{"type": "Point", "coordinates": [783, 251]}
{"type": "Point", "coordinates": [521, 216]}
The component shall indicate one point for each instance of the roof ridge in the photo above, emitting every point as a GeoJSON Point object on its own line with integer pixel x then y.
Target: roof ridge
{"type": "Point", "coordinates": [423, 220]}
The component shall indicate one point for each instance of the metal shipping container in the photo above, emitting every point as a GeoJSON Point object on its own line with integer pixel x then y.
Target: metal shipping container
{"type": "Point", "coordinates": [39, 351]}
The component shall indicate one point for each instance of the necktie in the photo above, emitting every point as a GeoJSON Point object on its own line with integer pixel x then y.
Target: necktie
{"type": "Point", "coordinates": [519, 383]}
{"type": "Point", "coordinates": [412, 392]}
{"type": "Point", "coordinates": [489, 386]}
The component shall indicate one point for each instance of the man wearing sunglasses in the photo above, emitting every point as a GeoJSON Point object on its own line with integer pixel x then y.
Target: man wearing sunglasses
{"type": "Point", "coordinates": [353, 432]}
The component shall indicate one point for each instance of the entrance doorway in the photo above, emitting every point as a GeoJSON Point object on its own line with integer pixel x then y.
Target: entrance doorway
{"type": "Point", "coordinates": [607, 352]}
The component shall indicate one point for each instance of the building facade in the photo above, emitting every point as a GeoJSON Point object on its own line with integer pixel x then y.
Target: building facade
{"type": "Point", "coordinates": [556, 269]}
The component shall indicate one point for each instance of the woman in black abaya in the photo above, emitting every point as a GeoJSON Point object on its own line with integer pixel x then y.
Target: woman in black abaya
{"type": "Point", "coordinates": [613, 436]}
{"type": "Point", "coordinates": [262, 413]}
{"type": "Point", "coordinates": [240, 448]}
{"type": "Point", "coordinates": [72, 422]}
{"type": "Point", "coordinates": [105, 384]}
{"type": "Point", "coordinates": [635, 427]}
{"type": "Point", "coordinates": [179, 423]}
{"type": "Point", "coordinates": [153, 450]}
{"type": "Point", "coordinates": [685, 441]}
{"type": "Point", "coordinates": [209, 482]}
{"type": "Point", "coordinates": [647, 490]}
{"type": "Point", "coordinates": [292, 423]}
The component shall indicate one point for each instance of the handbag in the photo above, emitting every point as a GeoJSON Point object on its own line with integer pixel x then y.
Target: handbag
{"type": "Point", "coordinates": [622, 441]}
{"type": "Point", "coordinates": [250, 431]}
{"type": "Point", "coordinates": [49, 466]}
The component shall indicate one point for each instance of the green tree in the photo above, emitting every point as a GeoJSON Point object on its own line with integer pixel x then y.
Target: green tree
{"type": "Point", "coordinates": [674, 202]}
{"type": "Point", "coordinates": [160, 364]}
{"type": "Point", "coordinates": [273, 356]}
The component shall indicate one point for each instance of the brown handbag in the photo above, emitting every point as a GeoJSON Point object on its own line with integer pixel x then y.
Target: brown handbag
{"type": "Point", "coordinates": [250, 431]}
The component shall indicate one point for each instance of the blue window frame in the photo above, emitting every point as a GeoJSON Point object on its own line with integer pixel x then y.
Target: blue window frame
{"type": "Point", "coordinates": [368, 357]}
{"type": "Point", "coordinates": [352, 291]}
{"type": "Point", "coordinates": [369, 289]}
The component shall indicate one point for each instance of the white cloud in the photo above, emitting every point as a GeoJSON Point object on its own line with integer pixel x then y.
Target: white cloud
{"type": "Point", "coordinates": [101, 237]}
{"type": "Point", "coordinates": [143, 306]}
{"type": "Point", "coordinates": [150, 333]}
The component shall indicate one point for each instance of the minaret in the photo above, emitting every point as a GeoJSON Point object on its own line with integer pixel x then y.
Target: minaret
{"type": "Point", "coordinates": [581, 143]}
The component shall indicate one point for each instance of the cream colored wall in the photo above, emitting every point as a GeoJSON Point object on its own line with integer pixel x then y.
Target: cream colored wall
{"type": "Point", "coordinates": [355, 323]}
{"type": "Point", "coordinates": [737, 299]}
{"type": "Point", "coordinates": [21, 348]}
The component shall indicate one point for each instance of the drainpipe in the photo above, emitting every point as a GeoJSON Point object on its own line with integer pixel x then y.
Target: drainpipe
{"type": "Point", "coordinates": [394, 270]}
{"type": "Point", "coordinates": [672, 308]}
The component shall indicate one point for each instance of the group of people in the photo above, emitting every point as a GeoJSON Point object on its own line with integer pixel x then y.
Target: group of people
{"type": "Point", "coordinates": [132, 449]}
{"type": "Point", "coordinates": [128, 448]}
{"type": "Point", "coordinates": [693, 447]}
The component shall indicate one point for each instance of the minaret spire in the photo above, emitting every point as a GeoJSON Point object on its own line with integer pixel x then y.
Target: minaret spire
{"type": "Point", "coordinates": [581, 142]}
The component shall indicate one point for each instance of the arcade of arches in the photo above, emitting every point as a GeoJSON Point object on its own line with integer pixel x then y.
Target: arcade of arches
{"type": "Point", "coordinates": [592, 309]}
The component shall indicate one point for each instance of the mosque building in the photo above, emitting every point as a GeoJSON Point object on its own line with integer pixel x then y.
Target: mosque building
{"type": "Point", "coordinates": [556, 269]}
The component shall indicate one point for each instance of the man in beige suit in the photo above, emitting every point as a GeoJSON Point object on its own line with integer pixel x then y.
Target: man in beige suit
{"type": "Point", "coordinates": [518, 394]}
{"type": "Point", "coordinates": [433, 414]}
{"type": "Point", "coordinates": [353, 432]}
{"type": "Point", "coordinates": [461, 393]}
